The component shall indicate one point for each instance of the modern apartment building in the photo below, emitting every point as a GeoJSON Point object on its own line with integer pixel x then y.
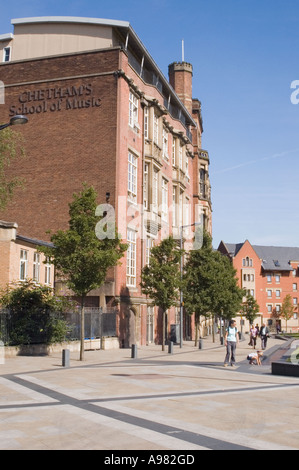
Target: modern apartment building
{"type": "Point", "coordinates": [269, 274]}
{"type": "Point", "coordinates": [101, 111]}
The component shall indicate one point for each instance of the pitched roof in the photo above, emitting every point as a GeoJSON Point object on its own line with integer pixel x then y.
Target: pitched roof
{"type": "Point", "coordinates": [273, 258]}
{"type": "Point", "coordinates": [276, 258]}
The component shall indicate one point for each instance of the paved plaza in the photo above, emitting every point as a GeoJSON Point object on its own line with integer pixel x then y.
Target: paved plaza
{"type": "Point", "coordinates": [158, 401]}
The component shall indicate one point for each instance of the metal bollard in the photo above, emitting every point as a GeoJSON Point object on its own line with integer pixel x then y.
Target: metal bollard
{"type": "Point", "coordinates": [134, 351]}
{"type": "Point", "coordinates": [65, 358]}
{"type": "Point", "coordinates": [170, 347]}
{"type": "Point", "coordinates": [200, 346]}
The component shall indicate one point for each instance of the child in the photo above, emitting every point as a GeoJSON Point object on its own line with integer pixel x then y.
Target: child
{"type": "Point", "coordinates": [255, 358]}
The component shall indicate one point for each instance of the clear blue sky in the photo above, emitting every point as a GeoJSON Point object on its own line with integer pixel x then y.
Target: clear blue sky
{"type": "Point", "coordinates": [245, 55]}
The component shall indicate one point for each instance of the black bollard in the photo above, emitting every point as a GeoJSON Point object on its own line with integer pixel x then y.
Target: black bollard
{"type": "Point", "coordinates": [200, 343]}
{"type": "Point", "coordinates": [134, 351]}
{"type": "Point", "coordinates": [65, 358]}
{"type": "Point", "coordinates": [170, 347]}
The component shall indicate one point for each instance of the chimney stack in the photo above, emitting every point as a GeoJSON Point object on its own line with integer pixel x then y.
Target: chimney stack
{"type": "Point", "coordinates": [180, 78]}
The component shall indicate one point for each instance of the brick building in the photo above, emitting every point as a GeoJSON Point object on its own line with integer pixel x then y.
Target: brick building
{"type": "Point", "coordinates": [20, 259]}
{"type": "Point", "coordinates": [269, 274]}
{"type": "Point", "coordinates": [101, 111]}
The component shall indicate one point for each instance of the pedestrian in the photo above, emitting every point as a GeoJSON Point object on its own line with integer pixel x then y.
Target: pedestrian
{"type": "Point", "coordinates": [264, 334]}
{"type": "Point", "coordinates": [231, 341]}
{"type": "Point", "coordinates": [255, 358]}
{"type": "Point", "coordinates": [253, 336]}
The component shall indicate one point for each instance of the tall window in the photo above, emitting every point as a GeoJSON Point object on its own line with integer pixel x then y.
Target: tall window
{"type": "Point", "coordinates": [6, 54]}
{"type": "Point", "coordinates": [165, 200]}
{"type": "Point", "coordinates": [156, 129]}
{"type": "Point", "coordinates": [23, 265]}
{"type": "Point", "coordinates": [173, 151]}
{"type": "Point", "coordinates": [146, 186]}
{"type": "Point", "coordinates": [174, 212]}
{"type": "Point", "coordinates": [155, 191]}
{"type": "Point", "coordinates": [165, 144]}
{"type": "Point", "coordinates": [36, 267]}
{"type": "Point", "coordinates": [149, 245]}
{"type": "Point", "coordinates": [146, 123]}
{"type": "Point", "coordinates": [48, 272]}
{"type": "Point", "coordinates": [133, 110]}
{"type": "Point", "coordinates": [131, 258]}
{"type": "Point", "coordinates": [132, 178]}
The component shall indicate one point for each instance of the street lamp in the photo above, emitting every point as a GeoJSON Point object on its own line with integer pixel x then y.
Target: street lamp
{"type": "Point", "coordinates": [182, 227]}
{"type": "Point", "coordinates": [15, 120]}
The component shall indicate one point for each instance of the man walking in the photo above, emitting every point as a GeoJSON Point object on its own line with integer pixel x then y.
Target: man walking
{"type": "Point", "coordinates": [231, 341]}
{"type": "Point", "coordinates": [264, 334]}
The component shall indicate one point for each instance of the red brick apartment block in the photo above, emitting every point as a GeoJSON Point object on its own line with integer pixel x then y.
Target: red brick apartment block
{"type": "Point", "coordinates": [269, 274]}
{"type": "Point", "coordinates": [100, 111]}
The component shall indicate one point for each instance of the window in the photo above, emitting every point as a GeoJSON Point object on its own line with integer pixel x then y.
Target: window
{"type": "Point", "coordinates": [145, 186]}
{"type": "Point", "coordinates": [6, 54]}
{"type": "Point", "coordinates": [131, 258]}
{"type": "Point", "coordinates": [295, 287]}
{"type": "Point", "coordinates": [23, 265]}
{"type": "Point", "coordinates": [295, 301]}
{"type": "Point", "coordinates": [269, 278]}
{"type": "Point", "coordinates": [155, 190]}
{"type": "Point", "coordinates": [132, 178]}
{"type": "Point", "coordinates": [269, 293]}
{"type": "Point", "coordinates": [165, 144]}
{"type": "Point", "coordinates": [156, 129]}
{"type": "Point", "coordinates": [278, 308]}
{"type": "Point", "coordinates": [174, 214]}
{"type": "Point", "coordinates": [48, 272]}
{"type": "Point", "coordinates": [277, 292]}
{"type": "Point", "coordinates": [164, 200]}
{"type": "Point", "coordinates": [149, 245]}
{"type": "Point", "coordinates": [146, 121]}
{"type": "Point", "coordinates": [133, 110]}
{"type": "Point", "coordinates": [180, 157]}
{"type": "Point", "coordinates": [36, 267]}
{"type": "Point", "coordinates": [277, 278]}
{"type": "Point", "coordinates": [173, 151]}
{"type": "Point", "coordinates": [270, 308]}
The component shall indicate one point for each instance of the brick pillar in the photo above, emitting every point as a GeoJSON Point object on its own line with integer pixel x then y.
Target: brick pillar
{"type": "Point", "coordinates": [180, 78]}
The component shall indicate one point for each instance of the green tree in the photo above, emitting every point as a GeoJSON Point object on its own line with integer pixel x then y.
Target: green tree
{"type": "Point", "coordinates": [287, 309]}
{"type": "Point", "coordinates": [161, 278]}
{"type": "Point", "coordinates": [35, 313]}
{"type": "Point", "coordinates": [78, 255]}
{"type": "Point", "coordinates": [250, 308]}
{"type": "Point", "coordinates": [11, 148]}
{"type": "Point", "coordinates": [210, 284]}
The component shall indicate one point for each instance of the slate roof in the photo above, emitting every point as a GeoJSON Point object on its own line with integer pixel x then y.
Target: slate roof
{"type": "Point", "coordinates": [273, 258]}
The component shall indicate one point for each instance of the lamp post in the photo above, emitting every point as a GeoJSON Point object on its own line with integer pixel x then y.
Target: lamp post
{"type": "Point", "coordinates": [182, 227]}
{"type": "Point", "coordinates": [15, 120]}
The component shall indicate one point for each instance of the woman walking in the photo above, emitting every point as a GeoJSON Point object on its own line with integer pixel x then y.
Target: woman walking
{"type": "Point", "coordinates": [231, 341]}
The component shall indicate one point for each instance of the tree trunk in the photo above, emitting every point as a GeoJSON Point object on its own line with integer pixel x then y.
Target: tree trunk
{"type": "Point", "coordinates": [82, 328]}
{"type": "Point", "coordinates": [163, 331]}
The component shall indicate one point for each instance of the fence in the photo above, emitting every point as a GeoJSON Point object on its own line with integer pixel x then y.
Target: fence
{"type": "Point", "coordinates": [98, 324]}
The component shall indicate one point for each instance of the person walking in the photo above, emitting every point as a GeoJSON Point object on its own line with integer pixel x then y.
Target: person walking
{"type": "Point", "coordinates": [231, 341]}
{"type": "Point", "coordinates": [253, 336]}
{"type": "Point", "coordinates": [264, 334]}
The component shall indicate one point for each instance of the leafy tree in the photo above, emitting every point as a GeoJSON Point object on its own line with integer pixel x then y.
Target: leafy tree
{"type": "Point", "coordinates": [161, 278]}
{"type": "Point", "coordinates": [11, 148]}
{"type": "Point", "coordinates": [210, 284]}
{"type": "Point", "coordinates": [250, 308]}
{"type": "Point", "coordinates": [287, 309]}
{"type": "Point", "coordinates": [78, 255]}
{"type": "Point", "coordinates": [34, 313]}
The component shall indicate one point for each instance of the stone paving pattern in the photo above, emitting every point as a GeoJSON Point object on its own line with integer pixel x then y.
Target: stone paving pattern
{"type": "Point", "coordinates": [158, 401]}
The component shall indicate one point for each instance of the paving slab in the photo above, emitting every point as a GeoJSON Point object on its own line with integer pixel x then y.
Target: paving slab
{"type": "Point", "coordinates": [157, 402]}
